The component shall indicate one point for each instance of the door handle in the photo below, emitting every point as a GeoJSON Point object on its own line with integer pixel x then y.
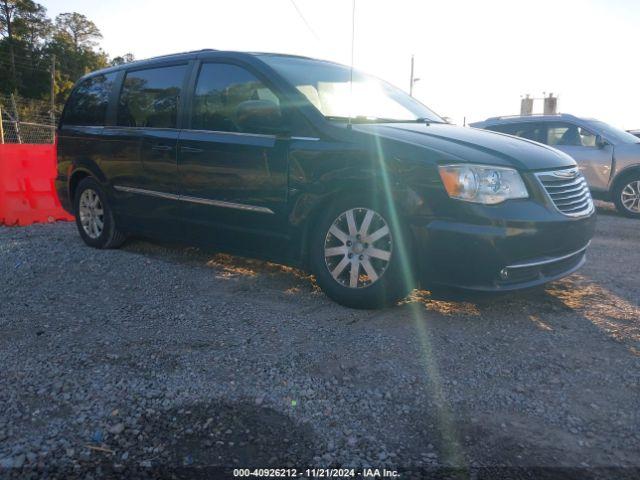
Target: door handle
{"type": "Point", "coordinates": [161, 148]}
{"type": "Point", "coordinates": [191, 150]}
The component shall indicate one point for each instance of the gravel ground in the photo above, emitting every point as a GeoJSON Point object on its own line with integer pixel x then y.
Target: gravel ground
{"type": "Point", "coordinates": [166, 356]}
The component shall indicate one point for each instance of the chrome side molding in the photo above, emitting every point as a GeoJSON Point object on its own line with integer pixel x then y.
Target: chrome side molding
{"type": "Point", "coordinates": [150, 193]}
{"type": "Point", "coordinates": [199, 200]}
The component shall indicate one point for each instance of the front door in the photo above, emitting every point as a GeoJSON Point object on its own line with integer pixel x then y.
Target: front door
{"type": "Point", "coordinates": [593, 160]}
{"type": "Point", "coordinates": [233, 175]}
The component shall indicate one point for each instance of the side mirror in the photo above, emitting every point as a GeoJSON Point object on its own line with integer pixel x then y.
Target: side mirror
{"type": "Point", "coordinates": [260, 116]}
{"type": "Point", "coordinates": [600, 142]}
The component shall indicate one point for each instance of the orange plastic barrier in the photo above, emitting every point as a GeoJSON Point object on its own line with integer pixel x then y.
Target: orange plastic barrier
{"type": "Point", "coordinates": [27, 191]}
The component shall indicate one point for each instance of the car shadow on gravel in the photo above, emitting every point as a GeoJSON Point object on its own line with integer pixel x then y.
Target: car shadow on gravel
{"type": "Point", "coordinates": [250, 272]}
{"type": "Point", "coordinates": [270, 275]}
{"type": "Point", "coordinates": [585, 298]}
{"type": "Point", "coordinates": [606, 310]}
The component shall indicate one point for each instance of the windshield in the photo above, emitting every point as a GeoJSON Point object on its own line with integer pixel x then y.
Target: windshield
{"type": "Point", "coordinates": [327, 86]}
{"type": "Point", "coordinates": [613, 133]}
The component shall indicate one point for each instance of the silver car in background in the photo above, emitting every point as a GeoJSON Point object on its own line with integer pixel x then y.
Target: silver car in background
{"type": "Point", "coordinates": [608, 157]}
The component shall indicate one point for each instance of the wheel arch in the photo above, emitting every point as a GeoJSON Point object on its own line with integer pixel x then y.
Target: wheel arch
{"type": "Point", "coordinates": [82, 170]}
{"type": "Point", "coordinates": [630, 173]}
{"type": "Point", "coordinates": [309, 208]}
{"type": "Point", "coordinates": [623, 174]}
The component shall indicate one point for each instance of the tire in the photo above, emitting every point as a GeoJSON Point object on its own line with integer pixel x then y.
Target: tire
{"type": "Point", "coordinates": [92, 210]}
{"type": "Point", "coordinates": [626, 195]}
{"type": "Point", "coordinates": [380, 259]}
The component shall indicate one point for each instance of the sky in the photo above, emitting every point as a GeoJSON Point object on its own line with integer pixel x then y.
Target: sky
{"type": "Point", "coordinates": [475, 59]}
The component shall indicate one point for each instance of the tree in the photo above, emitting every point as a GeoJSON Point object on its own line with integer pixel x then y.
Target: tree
{"type": "Point", "coordinates": [82, 32]}
{"type": "Point", "coordinates": [32, 24]}
{"type": "Point", "coordinates": [29, 40]}
{"type": "Point", "coordinates": [126, 58]}
{"type": "Point", "coordinates": [25, 28]}
{"type": "Point", "coordinates": [7, 19]}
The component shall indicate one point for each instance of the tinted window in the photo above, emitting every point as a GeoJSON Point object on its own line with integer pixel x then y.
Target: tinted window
{"type": "Point", "coordinates": [568, 134]}
{"type": "Point", "coordinates": [510, 129]}
{"type": "Point", "coordinates": [531, 131]}
{"type": "Point", "coordinates": [149, 98]}
{"type": "Point", "coordinates": [88, 103]}
{"type": "Point", "coordinates": [224, 93]}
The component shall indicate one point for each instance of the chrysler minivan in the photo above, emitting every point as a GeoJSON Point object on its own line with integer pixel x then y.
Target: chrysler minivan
{"type": "Point", "coordinates": [307, 163]}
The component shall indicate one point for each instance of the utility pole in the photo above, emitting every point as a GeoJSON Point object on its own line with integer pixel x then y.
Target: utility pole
{"type": "Point", "coordinates": [412, 80]}
{"type": "Point", "coordinates": [53, 99]}
{"type": "Point", "coordinates": [16, 122]}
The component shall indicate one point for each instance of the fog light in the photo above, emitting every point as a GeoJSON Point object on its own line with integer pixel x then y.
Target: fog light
{"type": "Point", "coordinates": [504, 273]}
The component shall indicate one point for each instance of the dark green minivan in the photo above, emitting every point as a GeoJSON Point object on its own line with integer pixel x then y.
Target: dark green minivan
{"type": "Point", "coordinates": [304, 162]}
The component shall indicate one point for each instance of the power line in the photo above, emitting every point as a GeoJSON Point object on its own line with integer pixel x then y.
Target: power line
{"type": "Point", "coordinates": [37, 65]}
{"type": "Point", "coordinates": [20, 62]}
{"type": "Point", "coordinates": [29, 68]}
{"type": "Point", "coordinates": [305, 20]}
{"type": "Point", "coordinates": [19, 57]}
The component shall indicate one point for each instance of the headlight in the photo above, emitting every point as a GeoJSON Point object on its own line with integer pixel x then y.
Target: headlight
{"type": "Point", "coordinates": [482, 183]}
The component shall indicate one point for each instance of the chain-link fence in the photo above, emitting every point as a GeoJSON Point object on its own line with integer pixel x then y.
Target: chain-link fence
{"type": "Point", "coordinates": [26, 120]}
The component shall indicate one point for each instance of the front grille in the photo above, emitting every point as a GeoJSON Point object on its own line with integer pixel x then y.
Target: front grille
{"type": "Point", "coordinates": [568, 191]}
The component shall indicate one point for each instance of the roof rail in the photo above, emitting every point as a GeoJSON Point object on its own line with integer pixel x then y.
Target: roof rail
{"type": "Point", "coordinates": [502, 117]}
{"type": "Point", "coordinates": [180, 53]}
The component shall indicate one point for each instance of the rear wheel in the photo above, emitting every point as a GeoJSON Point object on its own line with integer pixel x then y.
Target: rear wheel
{"type": "Point", "coordinates": [359, 255]}
{"type": "Point", "coordinates": [627, 196]}
{"type": "Point", "coordinates": [94, 217]}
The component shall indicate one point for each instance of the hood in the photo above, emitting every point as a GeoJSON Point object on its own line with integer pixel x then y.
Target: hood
{"type": "Point", "coordinates": [471, 145]}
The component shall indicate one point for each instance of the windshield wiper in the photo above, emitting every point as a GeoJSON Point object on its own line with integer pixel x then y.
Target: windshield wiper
{"type": "Point", "coordinates": [428, 121]}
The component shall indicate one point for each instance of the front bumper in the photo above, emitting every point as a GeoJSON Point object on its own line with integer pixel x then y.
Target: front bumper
{"type": "Point", "coordinates": [504, 253]}
{"type": "Point", "coordinates": [538, 271]}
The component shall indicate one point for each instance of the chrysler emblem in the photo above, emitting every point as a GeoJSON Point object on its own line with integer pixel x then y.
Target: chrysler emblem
{"type": "Point", "coordinates": [570, 173]}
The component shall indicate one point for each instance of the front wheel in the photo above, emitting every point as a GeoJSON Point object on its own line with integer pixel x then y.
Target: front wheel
{"type": "Point", "coordinates": [360, 255]}
{"type": "Point", "coordinates": [627, 196]}
{"type": "Point", "coordinates": [94, 217]}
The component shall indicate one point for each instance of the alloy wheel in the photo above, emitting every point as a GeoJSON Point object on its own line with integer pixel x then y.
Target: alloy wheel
{"type": "Point", "coordinates": [358, 248]}
{"type": "Point", "coordinates": [630, 196]}
{"type": "Point", "coordinates": [91, 213]}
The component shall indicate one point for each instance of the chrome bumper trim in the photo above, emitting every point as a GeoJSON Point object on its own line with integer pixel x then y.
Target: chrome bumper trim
{"type": "Point", "coordinates": [548, 261]}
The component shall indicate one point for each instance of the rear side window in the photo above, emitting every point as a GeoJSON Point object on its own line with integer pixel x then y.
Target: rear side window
{"type": "Point", "coordinates": [530, 131]}
{"type": "Point", "coordinates": [88, 103]}
{"type": "Point", "coordinates": [222, 91]}
{"type": "Point", "coordinates": [149, 98]}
